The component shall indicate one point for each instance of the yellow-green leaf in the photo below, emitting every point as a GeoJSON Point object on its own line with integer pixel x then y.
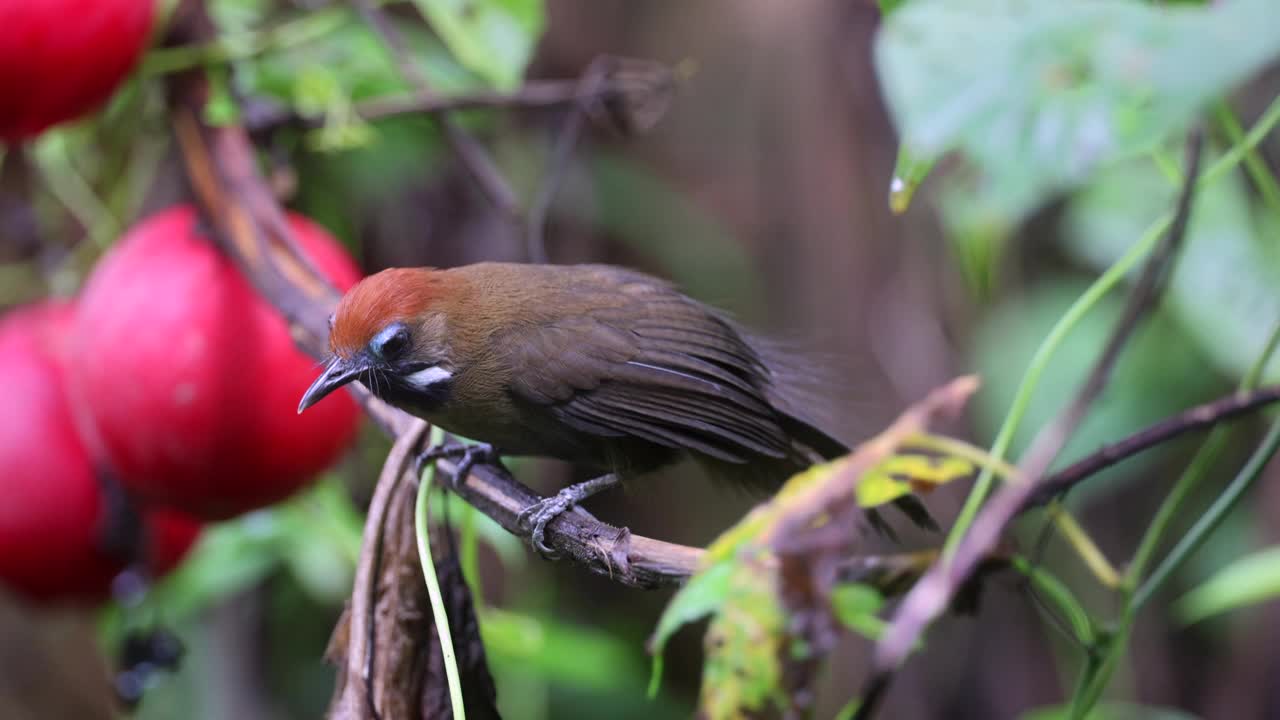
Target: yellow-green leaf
{"type": "Point", "coordinates": [744, 644]}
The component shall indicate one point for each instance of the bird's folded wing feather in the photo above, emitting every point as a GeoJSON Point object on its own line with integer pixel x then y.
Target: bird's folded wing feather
{"type": "Point", "coordinates": [649, 363]}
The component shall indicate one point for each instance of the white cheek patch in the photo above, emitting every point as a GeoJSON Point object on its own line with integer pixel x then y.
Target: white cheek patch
{"type": "Point", "coordinates": [427, 377]}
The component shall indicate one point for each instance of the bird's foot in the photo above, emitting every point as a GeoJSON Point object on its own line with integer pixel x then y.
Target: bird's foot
{"type": "Point", "coordinates": [537, 515]}
{"type": "Point", "coordinates": [466, 455]}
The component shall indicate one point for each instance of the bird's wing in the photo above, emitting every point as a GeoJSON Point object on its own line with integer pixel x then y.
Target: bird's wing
{"type": "Point", "coordinates": [644, 361]}
{"type": "Point", "coordinates": [637, 359]}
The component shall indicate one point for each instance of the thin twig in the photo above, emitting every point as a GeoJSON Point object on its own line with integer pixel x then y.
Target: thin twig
{"type": "Point", "coordinates": [473, 156]}
{"type": "Point", "coordinates": [536, 225]}
{"type": "Point", "coordinates": [932, 595]}
{"type": "Point", "coordinates": [535, 94]}
{"type": "Point", "coordinates": [1200, 417]}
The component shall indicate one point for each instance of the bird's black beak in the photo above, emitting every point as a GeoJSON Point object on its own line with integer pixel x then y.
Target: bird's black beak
{"type": "Point", "coordinates": [337, 373]}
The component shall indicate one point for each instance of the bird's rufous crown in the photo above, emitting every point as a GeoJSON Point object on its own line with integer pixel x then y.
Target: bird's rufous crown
{"type": "Point", "coordinates": [395, 294]}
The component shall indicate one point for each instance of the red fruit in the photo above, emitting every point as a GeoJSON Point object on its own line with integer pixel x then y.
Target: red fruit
{"type": "Point", "coordinates": [192, 381]}
{"type": "Point", "coordinates": [170, 536]}
{"type": "Point", "coordinates": [52, 518]}
{"type": "Point", "coordinates": [59, 59]}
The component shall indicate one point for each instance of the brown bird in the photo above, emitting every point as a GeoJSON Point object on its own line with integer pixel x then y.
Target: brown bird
{"type": "Point", "coordinates": [600, 366]}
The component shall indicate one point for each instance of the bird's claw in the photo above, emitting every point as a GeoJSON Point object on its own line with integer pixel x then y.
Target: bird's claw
{"type": "Point", "coordinates": [467, 456]}
{"type": "Point", "coordinates": [537, 515]}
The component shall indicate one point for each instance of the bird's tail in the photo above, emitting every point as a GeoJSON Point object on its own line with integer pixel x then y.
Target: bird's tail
{"type": "Point", "coordinates": [830, 449]}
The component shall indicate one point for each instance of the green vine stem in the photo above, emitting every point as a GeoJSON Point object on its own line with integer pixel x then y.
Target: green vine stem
{"type": "Point", "coordinates": [1262, 178]}
{"type": "Point", "coordinates": [1212, 517]}
{"type": "Point", "coordinates": [1039, 362]}
{"type": "Point", "coordinates": [1057, 592]}
{"type": "Point", "coordinates": [438, 610]}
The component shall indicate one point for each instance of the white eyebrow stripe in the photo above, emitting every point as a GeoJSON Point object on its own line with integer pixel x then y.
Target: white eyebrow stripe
{"type": "Point", "coordinates": [427, 377]}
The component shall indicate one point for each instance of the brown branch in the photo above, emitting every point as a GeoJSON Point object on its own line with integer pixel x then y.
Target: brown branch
{"type": "Point", "coordinates": [1200, 417]}
{"type": "Point", "coordinates": [606, 550]}
{"type": "Point", "coordinates": [933, 593]}
{"type": "Point", "coordinates": [473, 157]}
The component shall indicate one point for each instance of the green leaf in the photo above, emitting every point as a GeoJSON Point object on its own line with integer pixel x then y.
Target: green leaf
{"type": "Point", "coordinates": [316, 535]}
{"type": "Point", "coordinates": [909, 171]}
{"type": "Point", "coordinates": [238, 16]}
{"type": "Point", "coordinates": [888, 6]}
{"type": "Point", "coordinates": [493, 38]}
{"type": "Point", "coordinates": [856, 605]}
{"type": "Point", "coordinates": [903, 474]}
{"type": "Point", "coordinates": [701, 596]}
{"type": "Point", "coordinates": [346, 65]}
{"type": "Point", "coordinates": [221, 108]}
{"type": "Point", "coordinates": [1223, 288]}
{"type": "Point", "coordinates": [1247, 581]}
{"type": "Point", "coordinates": [745, 642]}
{"type": "Point", "coordinates": [1038, 94]}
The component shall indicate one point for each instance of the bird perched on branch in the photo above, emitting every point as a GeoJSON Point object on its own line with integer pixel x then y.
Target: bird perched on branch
{"type": "Point", "coordinates": [600, 366]}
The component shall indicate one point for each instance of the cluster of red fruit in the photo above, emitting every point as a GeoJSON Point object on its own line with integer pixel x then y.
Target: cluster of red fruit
{"type": "Point", "coordinates": [170, 375]}
{"type": "Point", "coordinates": [165, 395]}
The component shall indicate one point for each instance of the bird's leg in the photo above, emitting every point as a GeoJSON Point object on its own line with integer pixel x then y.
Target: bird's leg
{"type": "Point", "coordinates": [545, 510]}
{"type": "Point", "coordinates": [467, 456]}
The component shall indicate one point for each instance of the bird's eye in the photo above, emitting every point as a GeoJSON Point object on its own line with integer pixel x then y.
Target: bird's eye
{"type": "Point", "coordinates": [389, 343]}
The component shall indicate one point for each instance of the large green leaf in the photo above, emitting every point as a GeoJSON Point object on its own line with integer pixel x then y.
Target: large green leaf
{"type": "Point", "coordinates": [493, 38]}
{"type": "Point", "coordinates": [1039, 93]}
{"type": "Point", "coordinates": [1247, 581]}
